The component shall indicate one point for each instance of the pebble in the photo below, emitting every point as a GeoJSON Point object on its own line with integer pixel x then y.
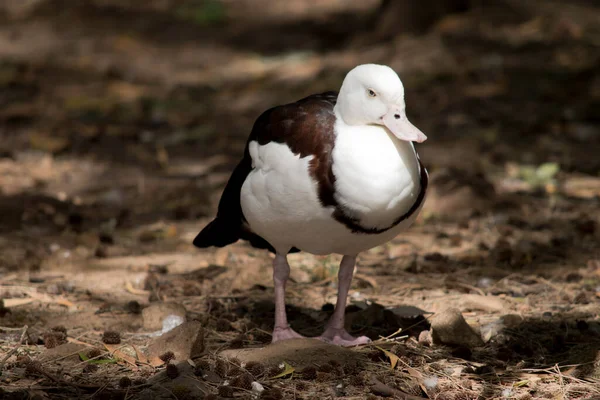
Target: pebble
{"type": "Point", "coordinates": [155, 314]}
{"type": "Point", "coordinates": [449, 327]}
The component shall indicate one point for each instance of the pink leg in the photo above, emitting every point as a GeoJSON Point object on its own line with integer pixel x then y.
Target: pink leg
{"type": "Point", "coordinates": [335, 332]}
{"type": "Point", "coordinates": [281, 273]}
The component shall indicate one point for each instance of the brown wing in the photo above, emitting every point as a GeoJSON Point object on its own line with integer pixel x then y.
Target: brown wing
{"type": "Point", "coordinates": [306, 127]}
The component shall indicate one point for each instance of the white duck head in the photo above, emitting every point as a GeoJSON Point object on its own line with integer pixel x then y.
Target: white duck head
{"type": "Point", "coordinates": [374, 94]}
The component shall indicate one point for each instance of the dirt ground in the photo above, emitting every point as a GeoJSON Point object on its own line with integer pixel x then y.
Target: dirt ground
{"type": "Point", "coordinates": [120, 122]}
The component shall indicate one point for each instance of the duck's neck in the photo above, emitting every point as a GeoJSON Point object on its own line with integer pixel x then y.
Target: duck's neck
{"type": "Point", "coordinates": [371, 140]}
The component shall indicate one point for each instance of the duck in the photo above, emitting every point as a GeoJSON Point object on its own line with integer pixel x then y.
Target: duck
{"type": "Point", "coordinates": [332, 173]}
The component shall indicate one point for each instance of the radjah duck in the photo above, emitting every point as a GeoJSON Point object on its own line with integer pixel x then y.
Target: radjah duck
{"type": "Point", "coordinates": [331, 173]}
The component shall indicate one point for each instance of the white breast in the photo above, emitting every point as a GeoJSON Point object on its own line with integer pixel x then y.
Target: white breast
{"type": "Point", "coordinates": [375, 177]}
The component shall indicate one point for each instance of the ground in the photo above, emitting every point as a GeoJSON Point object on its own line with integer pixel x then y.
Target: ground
{"type": "Point", "coordinates": [120, 124]}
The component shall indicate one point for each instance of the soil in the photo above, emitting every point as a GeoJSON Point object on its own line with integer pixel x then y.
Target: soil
{"type": "Point", "coordinates": [120, 124]}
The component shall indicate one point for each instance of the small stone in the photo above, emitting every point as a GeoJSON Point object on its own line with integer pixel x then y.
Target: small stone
{"type": "Point", "coordinates": [154, 314]}
{"type": "Point", "coordinates": [185, 341]}
{"type": "Point", "coordinates": [449, 327]}
{"type": "Point", "coordinates": [425, 338]}
{"type": "Point", "coordinates": [257, 387]}
{"type": "Point", "coordinates": [512, 320]}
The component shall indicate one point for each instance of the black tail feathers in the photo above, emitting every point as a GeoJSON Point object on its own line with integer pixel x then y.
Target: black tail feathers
{"type": "Point", "coordinates": [219, 232]}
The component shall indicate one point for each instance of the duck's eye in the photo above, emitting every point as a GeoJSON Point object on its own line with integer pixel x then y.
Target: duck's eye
{"type": "Point", "coordinates": [371, 93]}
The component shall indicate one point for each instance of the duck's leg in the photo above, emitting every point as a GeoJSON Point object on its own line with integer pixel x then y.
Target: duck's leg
{"type": "Point", "coordinates": [335, 332]}
{"type": "Point", "coordinates": [281, 273]}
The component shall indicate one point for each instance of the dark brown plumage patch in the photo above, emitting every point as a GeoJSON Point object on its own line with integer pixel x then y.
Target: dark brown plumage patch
{"type": "Point", "coordinates": [307, 128]}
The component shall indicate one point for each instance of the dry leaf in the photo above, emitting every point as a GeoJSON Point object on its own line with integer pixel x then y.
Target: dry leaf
{"type": "Point", "coordinates": [122, 358]}
{"type": "Point", "coordinates": [140, 355]}
{"type": "Point", "coordinates": [393, 358]}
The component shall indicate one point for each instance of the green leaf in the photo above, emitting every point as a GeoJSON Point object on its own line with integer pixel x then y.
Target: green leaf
{"type": "Point", "coordinates": [90, 361]}
{"type": "Point", "coordinates": [521, 383]}
{"type": "Point", "coordinates": [287, 370]}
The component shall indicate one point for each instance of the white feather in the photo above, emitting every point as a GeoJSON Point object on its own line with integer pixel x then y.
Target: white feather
{"type": "Point", "coordinates": [280, 201]}
{"type": "Point", "coordinates": [376, 174]}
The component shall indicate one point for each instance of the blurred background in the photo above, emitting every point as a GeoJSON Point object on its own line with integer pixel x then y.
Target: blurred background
{"type": "Point", "coordinates": [121, 120]}
{"type": "Point", "coordinates": [137, 111]}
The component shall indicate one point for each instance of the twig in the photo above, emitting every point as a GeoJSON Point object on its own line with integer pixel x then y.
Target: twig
{"type": "Point", "coordinates": [6, 328]}
{"type": "Point", "coordinates": [14, 349]}
{"type": "Point", "coordinates": [466, 286]}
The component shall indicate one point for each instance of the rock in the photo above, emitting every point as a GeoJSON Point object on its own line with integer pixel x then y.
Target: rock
{"type": "Point", "coordinates": [257, 387]}
{"type": "Point", "coordinates": [296, 352]}
{"type": "Point", "coordinates": [185, 385]}
{"type": "Point", "coordinates": [511, 320]}
{"type": "Point", "coordinates": [491, 330]}
{"type": "Point", "coordinates": [185, 341]}
{"type": "Point", "coordinates": [470, 302]}
{"type": "Point", "coordinates": [154, 314]}
{"type": "Point", "coordinates": [425, 338]}
{"type": "Point", "coordinates": [449, 327]}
